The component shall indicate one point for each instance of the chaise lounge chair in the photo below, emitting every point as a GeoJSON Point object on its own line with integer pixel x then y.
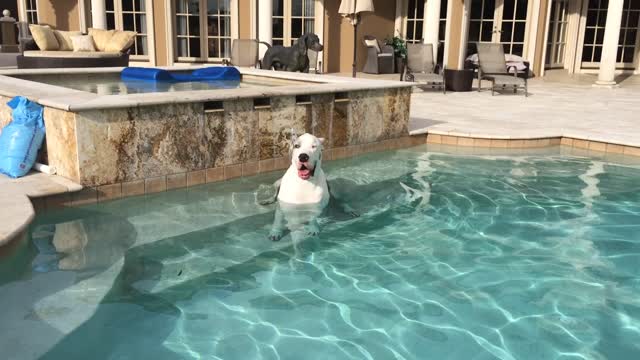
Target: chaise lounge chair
{"type": "Point", "coordinates": [380, 58]}
{"type": "Point", "coordinates": [32, 57]}
{"type": "Point", "coordinates": [493, 67]}
{"type": "Point", "coordinates": [421, 68]}
{"type": "Point", "coordinates": [244, 52]}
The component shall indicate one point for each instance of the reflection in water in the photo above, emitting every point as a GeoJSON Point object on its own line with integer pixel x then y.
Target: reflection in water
{"type": "Point", "coordinates": [89, 244]}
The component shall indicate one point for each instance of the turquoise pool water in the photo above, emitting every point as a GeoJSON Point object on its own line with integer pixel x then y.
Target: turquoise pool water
{"type": "Point", "coordinates": [452, 257]}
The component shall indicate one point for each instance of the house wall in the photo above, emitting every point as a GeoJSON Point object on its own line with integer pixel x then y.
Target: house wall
{"type": "Point", "coordinates": [160, 29]}
{"type": "Point", "coordinates": [338, 35]}
{"type": "Point", "coordinates": [61, 14]}
{"type": "Point", "coordinates": [455, 34]}
{"type": "Point", "coordinates": [244, 19]}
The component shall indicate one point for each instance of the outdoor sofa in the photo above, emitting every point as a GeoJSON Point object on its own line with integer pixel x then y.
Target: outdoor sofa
{"type": "Point", "coordinates": [44, 47]}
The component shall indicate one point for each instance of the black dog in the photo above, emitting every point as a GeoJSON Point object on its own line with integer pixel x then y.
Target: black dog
{"type": "Point", "coordinates": [292, 58]}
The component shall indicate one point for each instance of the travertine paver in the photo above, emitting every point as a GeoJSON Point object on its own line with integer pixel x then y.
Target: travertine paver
{"type": "Point", "coordinates": [553, 109]}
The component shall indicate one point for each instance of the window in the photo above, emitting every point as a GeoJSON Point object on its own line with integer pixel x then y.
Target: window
{"type": "Point", "coordinates": [130, 15]}
{"type": "Point", "coordinates": [498, 21]}
{"type": "Point", "coordinates": [188, 28]}
{"type": "Point", "coordinates": [628, 32]}
{"type": "Point", "coordinates": [415, 21]}
{"type": "Point", "coordinates": [219, 28]}
{"type": "Point", "coordinates": [203, 29]}
{"type": "Point", "coordinates": [514, 22]}
{"type": "Point", "coordinates": [594, 30]}
{"type": "Point", "coordinates": [31, 7]}
{"type": "Point", "coordinates": [292, 19]}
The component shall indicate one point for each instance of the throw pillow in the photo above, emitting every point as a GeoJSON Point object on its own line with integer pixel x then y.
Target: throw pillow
{"type": "Point", "coordinates": [64, 39]}
{"type": "Point", "coordinates": [101, 38]}
{"type": "Point", "coordinates": [44, 37]}
{"type": "Point", "coordinates": [82, 43]}
{"type": "Point", "coordinates": [120, 41]}
{"type": "Point", "coordinates": [373, 43]}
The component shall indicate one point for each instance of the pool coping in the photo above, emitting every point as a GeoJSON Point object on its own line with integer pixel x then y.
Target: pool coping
{"type": "Point", "coordinates": [75, 100]}
{"type": "Point", "coordinates": [524, 142]}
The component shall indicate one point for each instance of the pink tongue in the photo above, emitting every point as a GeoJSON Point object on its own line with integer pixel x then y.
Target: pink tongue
{"type": "Point", "coordinates": [304, 173]}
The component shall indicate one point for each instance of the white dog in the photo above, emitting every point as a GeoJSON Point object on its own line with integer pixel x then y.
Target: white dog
{"type": "Point", "coordinates": [302, 192]}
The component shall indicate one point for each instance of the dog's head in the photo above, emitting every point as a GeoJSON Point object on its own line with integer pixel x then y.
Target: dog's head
{"type": "Point", "coordinates": [310, 41]}
{"type": "Point", "coordinates": [306, 155]}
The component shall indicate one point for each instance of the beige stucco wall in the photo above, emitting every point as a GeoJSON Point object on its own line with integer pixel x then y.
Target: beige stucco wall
{"type": "Point", "coordinates": [244, 19]}
{"type": "Point", "coordinates": [160, 32]}
{"type": "Point", "coordinates": [61, 14]}
{"type": "Point", "coordinates": [539, 48]}
{"type": "Point", "coordinates": [455, 35]}
{"type": "Point", "coordinates": [338, 36]}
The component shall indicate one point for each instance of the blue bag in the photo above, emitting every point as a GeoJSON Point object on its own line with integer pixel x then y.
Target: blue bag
{"type": "Point", "coordinates": [21, 138]}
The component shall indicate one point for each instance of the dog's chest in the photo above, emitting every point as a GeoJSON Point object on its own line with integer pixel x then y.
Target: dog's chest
{"type": "Point", "coordinates": [294, 190]}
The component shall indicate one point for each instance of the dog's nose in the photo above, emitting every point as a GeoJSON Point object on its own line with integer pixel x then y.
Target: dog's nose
{"type": "Point", "coordinates": [303, 157]}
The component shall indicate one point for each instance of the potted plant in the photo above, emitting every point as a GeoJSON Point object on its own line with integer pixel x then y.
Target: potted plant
{"type": "Point", "coordinates": [399, 46]}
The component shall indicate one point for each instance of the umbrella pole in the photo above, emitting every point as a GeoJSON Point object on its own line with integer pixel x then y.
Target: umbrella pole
{"type": "Point", "coordinates": [355, 47]}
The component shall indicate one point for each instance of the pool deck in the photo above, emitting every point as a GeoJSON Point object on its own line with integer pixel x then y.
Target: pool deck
{"type": "Point", "coordinates": [602, 119]}
{"type": "Point", "coordinates": [553, 109]}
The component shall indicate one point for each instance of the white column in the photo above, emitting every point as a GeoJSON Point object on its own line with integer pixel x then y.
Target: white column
{"type": "Point", "coordinates": [398, 21]}
{"type": "Point", "coordinates": [431, 24]}
{"type": "Point", "coordinates": [98, 14]}
{"type": "Point", "coordinates": [610, 45]}
{"type": "Point", "coordinates": [265, 20]}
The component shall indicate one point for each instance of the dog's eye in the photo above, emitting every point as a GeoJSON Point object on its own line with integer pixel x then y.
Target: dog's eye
{"type": "Point", "coordinates": [297, 146]}
{"type": "Point", "coordinates": [313, 146]}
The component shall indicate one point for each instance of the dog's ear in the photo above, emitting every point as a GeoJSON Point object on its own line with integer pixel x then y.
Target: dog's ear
{"type": "Point", "coordinates": [302, 43]}
{"type": "Point", "coordinates": [321, 141]}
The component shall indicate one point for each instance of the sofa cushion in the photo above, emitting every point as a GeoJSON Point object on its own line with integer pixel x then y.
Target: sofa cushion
{"type": "Point", "coordinates": [71, 54]}
{"type": "Point", "coordinates": [83, 43]}
{"type": "Point", "coordinates": [101, 38]}
{"type": "Point", "coordinates": [121, 40]}
{"type": "Point", "coordinates": [64, 39]}
{"type": "Point", "coordinates": [44, 37]}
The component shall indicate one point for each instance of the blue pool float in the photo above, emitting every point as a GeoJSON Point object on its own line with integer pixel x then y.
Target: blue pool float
{"type": "Point", "coordinates": [213, 73]}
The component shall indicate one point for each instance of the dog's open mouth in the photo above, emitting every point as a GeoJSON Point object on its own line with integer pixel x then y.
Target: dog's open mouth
{"type": "Point", "coordinates": [304, 172]}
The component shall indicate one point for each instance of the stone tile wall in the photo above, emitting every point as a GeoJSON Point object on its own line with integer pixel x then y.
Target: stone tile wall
{"type": "Point", "coordinates": [103, 147]}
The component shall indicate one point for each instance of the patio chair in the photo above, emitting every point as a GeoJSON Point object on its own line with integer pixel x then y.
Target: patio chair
{"type": "Point", "coordinates": [421, 68]}
{"type": "Point", "coordinates": [492, 66]}
{"type": "Point", "coordinates": [380, 58]}
{"type": "Point", "coordinates": [315, 66]}
{"type": "Point", "coordinates": [244, 52]}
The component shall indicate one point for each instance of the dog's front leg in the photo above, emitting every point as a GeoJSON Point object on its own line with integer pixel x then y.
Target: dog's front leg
{"type": "Point", "coordinates": [312, 228]}
{"type": "Point", "coordinates": [277, 229]}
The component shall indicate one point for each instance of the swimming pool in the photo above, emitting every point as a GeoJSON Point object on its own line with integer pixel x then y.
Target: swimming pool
{"type": "Point", "coordinates": [453, 256]}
